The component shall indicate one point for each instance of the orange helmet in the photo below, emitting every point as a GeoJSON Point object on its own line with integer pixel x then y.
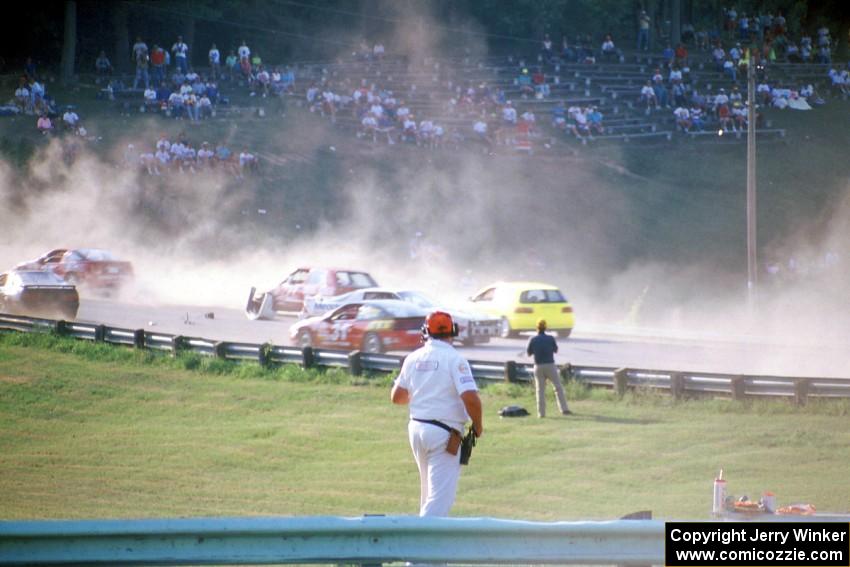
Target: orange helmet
{"type": "Point", "coordinates": [440, 324]}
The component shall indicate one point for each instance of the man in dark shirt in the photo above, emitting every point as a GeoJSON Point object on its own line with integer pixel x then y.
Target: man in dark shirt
{"type": "Point", "coordinates": [543, 347]}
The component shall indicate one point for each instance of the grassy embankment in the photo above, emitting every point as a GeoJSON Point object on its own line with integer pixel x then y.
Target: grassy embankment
{"type": "Point", "coordinates": [92, 431]}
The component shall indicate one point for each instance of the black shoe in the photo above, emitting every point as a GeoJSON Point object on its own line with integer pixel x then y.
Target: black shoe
{"type": "Point", "coordinates": [567, 412]}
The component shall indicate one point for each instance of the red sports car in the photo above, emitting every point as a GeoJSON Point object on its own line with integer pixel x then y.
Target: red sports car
{"type": "Point", "coordinates": [84, 267]}
{"type": "Point", "coordinates": [371, 326]}
{"type": "Point", "coordinates": [304, 282]}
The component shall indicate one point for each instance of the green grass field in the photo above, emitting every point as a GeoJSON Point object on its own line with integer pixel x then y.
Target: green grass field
{"type": "Point", "coordinates": [91, 431]}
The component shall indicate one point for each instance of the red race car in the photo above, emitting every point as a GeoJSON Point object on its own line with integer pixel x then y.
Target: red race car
{"type": "Point", "coordinates": [84, 267]}
{"type": "Point", "coordinates": [371, 326]}
{"type": "Point", "coordinates": [304, 282]}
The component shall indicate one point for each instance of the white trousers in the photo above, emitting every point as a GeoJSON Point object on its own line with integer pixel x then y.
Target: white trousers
{"type": "Point", "coordinates": [439, 471]}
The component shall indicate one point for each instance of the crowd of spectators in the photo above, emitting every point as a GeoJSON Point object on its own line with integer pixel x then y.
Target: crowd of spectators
{"type": "Point", "coordinates": [182, 156]}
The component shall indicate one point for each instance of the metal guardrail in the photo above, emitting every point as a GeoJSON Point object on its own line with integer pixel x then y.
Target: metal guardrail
{"type": "Point", "coordinates": [366, 540]}
{"type": "Point", "coordinates": [678, 383]}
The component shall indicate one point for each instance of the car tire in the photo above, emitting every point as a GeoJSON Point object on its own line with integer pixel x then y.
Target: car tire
{"type": "Point", "coordinates": [69, 314]}
{"type": "Point", "coordinates": [372, 343]}
{"type": "Point", "coordinates": [505, 330]}
{"type": "Point", "coordinates": [564, 333]}
{"type": "Point", "coordinates": [305, 339]}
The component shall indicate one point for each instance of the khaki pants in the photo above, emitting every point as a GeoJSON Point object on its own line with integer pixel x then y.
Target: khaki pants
{"type": "Point", "coordinates": [541, 373]}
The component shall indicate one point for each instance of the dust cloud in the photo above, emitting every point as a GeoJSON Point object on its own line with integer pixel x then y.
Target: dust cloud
{"type": "Point", "coordinates": [446, 224]}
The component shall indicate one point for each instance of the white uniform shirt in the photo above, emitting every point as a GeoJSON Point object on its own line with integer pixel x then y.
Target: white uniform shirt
{"type": "Point", "coordinates": [435, 376]}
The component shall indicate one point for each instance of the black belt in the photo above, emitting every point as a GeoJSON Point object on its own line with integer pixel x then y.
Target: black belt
{"type": "Point", "coordinates": [439, 424]}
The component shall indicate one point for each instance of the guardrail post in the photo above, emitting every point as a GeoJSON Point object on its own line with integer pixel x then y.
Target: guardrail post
{"type": "Point", "coordinates": [264, 354]}
{"type": "Point", "coordinates": [510, 371]}
{"type": "Point", "coordinates": [677, 385]}
{"type": "Point", "coordinates": [139, 338]}
{"type": "Point", "coordinates": [621, 381]}
{"type": "Point", "coordinates": [178, 343]}
{"type": "Point", "coordinates": [567, 372]}
{"type": "Point", "coordinates": [307, 357]}
{"type": "Point", "coordinates": [220, 349]}
{"type": "Point", "coordinates": [738, 392]}
{"type": "Point", "coordinates": [61, 327]}
{"type": "Point", "coordinates": [355, 366]}
{"type": "Point", "coordinates": [801, 391]}
{"type": "Point", "coordinates": [99, 333]}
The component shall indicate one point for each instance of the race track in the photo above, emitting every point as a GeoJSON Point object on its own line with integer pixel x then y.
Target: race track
{"type": "Point", "coordinates": [608, 347]}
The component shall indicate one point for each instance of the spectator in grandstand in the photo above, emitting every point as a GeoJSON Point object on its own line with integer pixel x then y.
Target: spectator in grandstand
{"type": "Point", "coordinates": [668, 55]}
{"type": "Point", "coordinates": [824, 54]}
{"type": "Point", "coordinates": [44, 124]}
{"type": "Point", "coordinates": [378, 51]}
{"type": "Point", "coordinates": [806, 49]}
{"type": "Point", "coordinates": [247, 163]}
{"type": "Point", "coordinates": [175, 107]}
{"type": "Point", "coordinates": [720, 99]}
{"type": "Point", "coordinates": [232, 64]}
{"type": "Point", "coordinates": [579, 126]}
{"type": "Point", "coordinates": [150, 99]}
{"type": "Point", "coordinates": [157, 61]}
{"type": "Point", "coordinates": [214, 57]}
{"type": "Point", "coordinates": [744, 27]}
{"type": "Point", "coordinates": [719, 56]}
{"type": "Point", "coordinates": [730, 69]}
{"type": "Point", "coordinates": [643, 31]}
{"type": "Point", "coordinates": [524, 82]}
{"type": "Point", "coordinates": [594, 120]}
{"type": "Point", "coordinates": [661, 94]}
{"type": "Point", "coordinates": [70, 119]}
{"type": "Point", "coordinates": [140, 53]}
{"type": "Point", "coordinates": [792, 53]}
{"type": "Point", "coordinates": [205, 107]}
{"type": "Point", "coordinates": [680, 56]}
{"type": "Point", "coordinates": [679, 94]}
{"type": "Point", "coordinates": [683, 118]}
{"type": "Point", "coordinates": [763, 92]}
{"type": "Point", "coordinates": [610, 52]}
{"type": "Point", "coordinates": [559, 116]}
{"type": "Point", "coordinates": [647, 96]}
{"type": "Point", "coordinates": [546, 48]}
{"type": "Point", "coordinates": [696, 117]}
{"type": "Point", "coordinates": [181, 54]}
{"type": "Point", "coordinates": [102, 67]}
{"type": "Point", "coordinates": [724, 115]}
{"type": "Point", "coordinates": [480, 129]}
{"type": "Point", "coordinates": [263, 81]}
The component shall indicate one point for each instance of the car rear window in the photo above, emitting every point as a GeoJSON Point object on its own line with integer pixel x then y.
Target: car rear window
{"type": "Point", "coordinates": [403, 309]}
{"type": "Point", "coordinates": [96, 255]}
{"type": "Point", "coordinates": [40, 278]}
{"type": "Point", "coordinates": [355, 279]}
{"type": "Point", "coordinates": [542, 296]}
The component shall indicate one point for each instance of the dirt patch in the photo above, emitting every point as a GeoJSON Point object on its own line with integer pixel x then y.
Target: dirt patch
{"type": "Point", "coordinates": [15, 379]}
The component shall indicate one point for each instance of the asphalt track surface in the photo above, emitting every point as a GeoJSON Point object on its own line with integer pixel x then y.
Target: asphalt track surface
{"type": "Point", "coordinates": [608, 346]}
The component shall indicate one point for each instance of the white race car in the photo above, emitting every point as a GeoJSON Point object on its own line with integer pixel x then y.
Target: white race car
{"type": "Point", "coordinates": [473, 327]}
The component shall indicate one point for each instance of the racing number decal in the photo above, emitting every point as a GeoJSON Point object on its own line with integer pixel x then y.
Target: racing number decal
{"type": "Point", "coordinates": [339, 332]}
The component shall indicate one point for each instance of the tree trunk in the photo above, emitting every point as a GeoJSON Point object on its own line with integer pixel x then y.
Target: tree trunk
{"type": "Point", "coordinates": [189, 38]}
{"type": "Point", "coordinates": [69, 46]}
{"type": "Point", "coordinates": [676, 22]}
{"type": "Point", "coordinates": [121, 57]}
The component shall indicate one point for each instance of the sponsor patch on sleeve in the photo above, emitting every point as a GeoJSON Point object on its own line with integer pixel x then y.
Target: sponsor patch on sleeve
{"type": "Point", "coordinates": [467, 379]}
{"type": "Point", "coordinates": [463, 368]}
{"type": "Point", "coordinates": [426, 365]}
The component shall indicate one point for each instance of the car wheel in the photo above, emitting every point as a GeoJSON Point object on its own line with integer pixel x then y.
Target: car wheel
{"type": "Point", "coordinates": [564, 333]}
{"type": "Point", "coordinates": [505, 331]}
{"type": "Point", "coordinates": [372, 343]}
{"type": "Point", "coordinates": [69, 314]}
{"type": "Point", "coordinates": [305, 339]}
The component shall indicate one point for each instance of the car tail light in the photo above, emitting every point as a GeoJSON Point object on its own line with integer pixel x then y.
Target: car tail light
{"type": "Point", "coordinates": [567, 309]}
{"type": "Point", "coordinates": [523, 310]}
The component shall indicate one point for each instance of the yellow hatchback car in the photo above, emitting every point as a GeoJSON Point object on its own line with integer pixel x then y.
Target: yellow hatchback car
{"type": "Point", "coordinates": [520, 304]}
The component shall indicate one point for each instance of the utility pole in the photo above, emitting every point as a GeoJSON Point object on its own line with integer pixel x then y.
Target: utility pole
{"type": "Point", "coordinates": [752, 263]}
